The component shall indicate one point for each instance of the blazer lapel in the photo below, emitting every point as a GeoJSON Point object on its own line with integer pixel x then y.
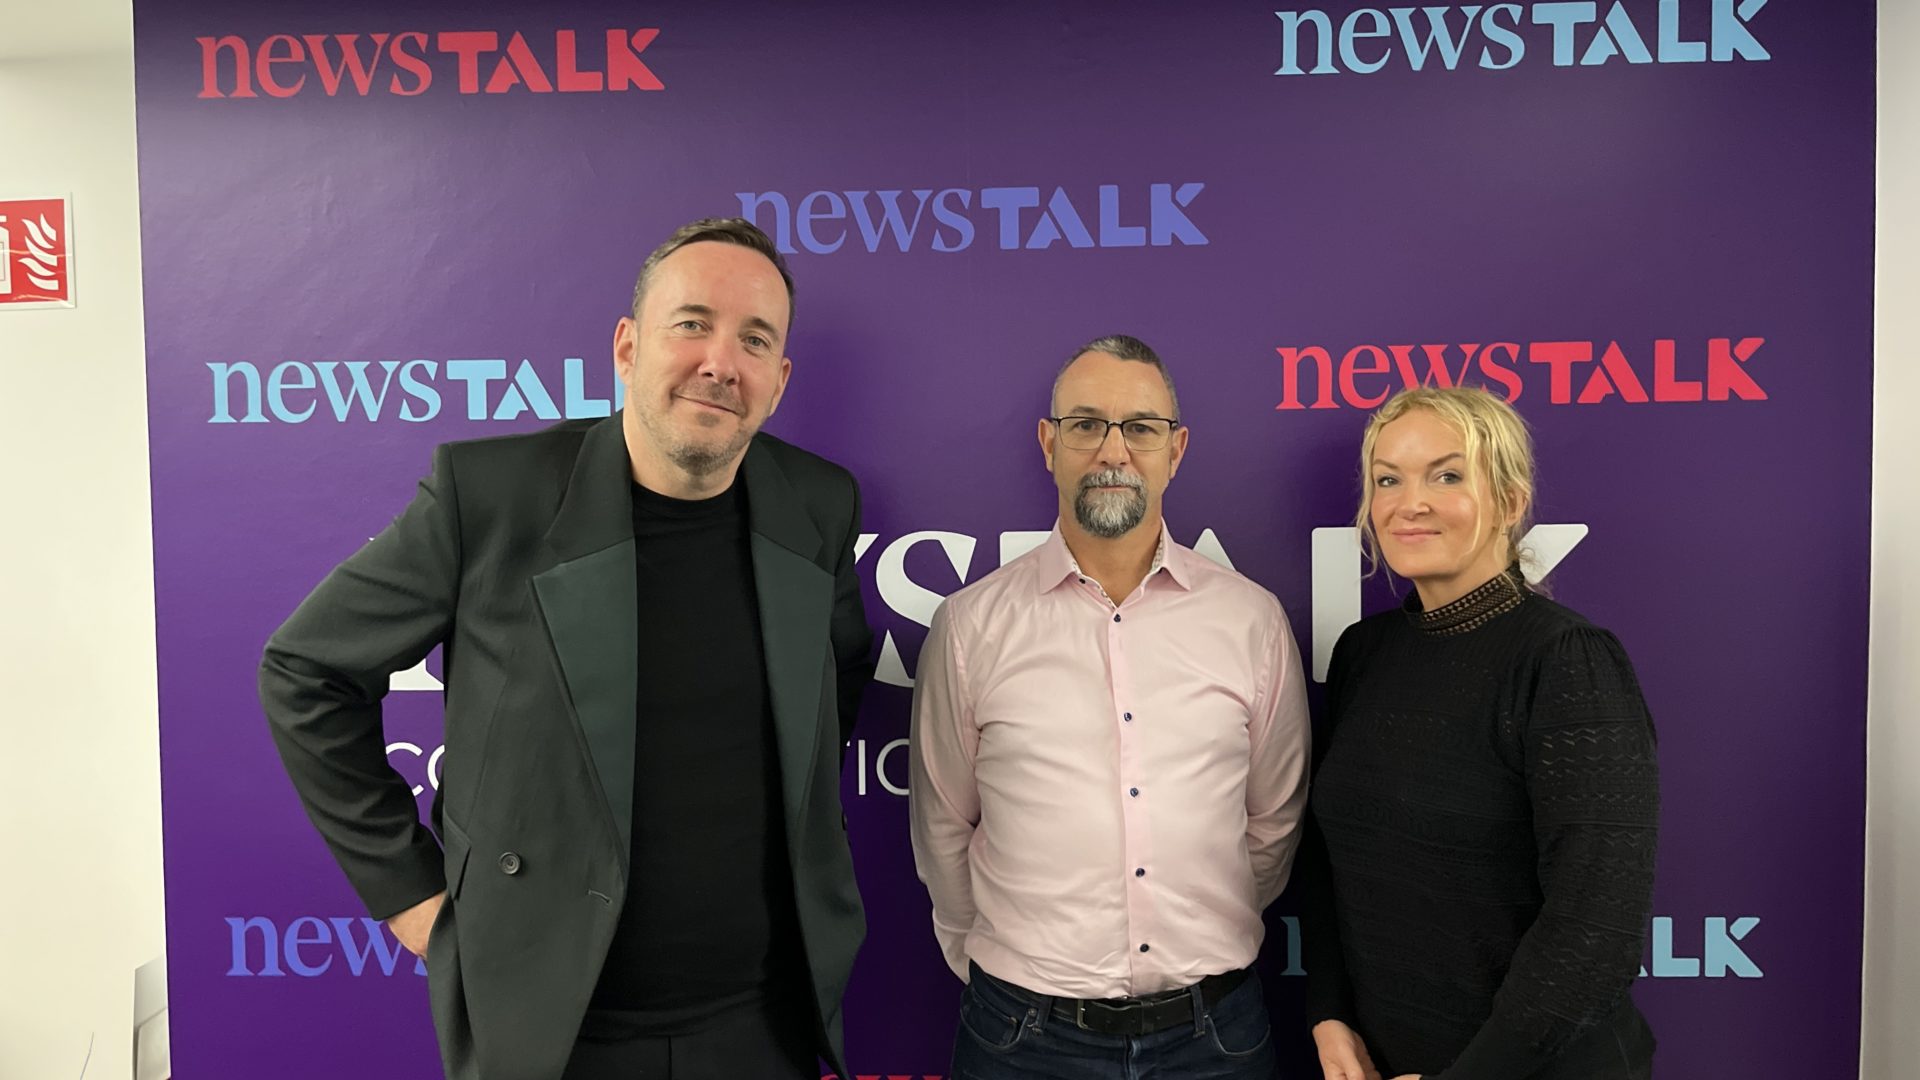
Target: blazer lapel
{"type": "Point", "coordinates": [592, 616]}
{"type": "Point", "coordinates": [796, 608]}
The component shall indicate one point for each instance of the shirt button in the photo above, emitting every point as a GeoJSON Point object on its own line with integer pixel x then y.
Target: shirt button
{"type": "Point", "coordinates": [1140, 872]}
{"type": "Point", "coordinates": [1145, 948]}
{"type": "Point", "coordinates": [1083, 581]}
{"type": "Point", "coordinates": [1127, 717]}
{"type": "Point", "coordinates": [1134, 791]}
{"type": "Point", "coordinates": [1116, 616]}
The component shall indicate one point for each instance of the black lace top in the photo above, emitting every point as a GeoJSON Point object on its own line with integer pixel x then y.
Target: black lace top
{"type": "Point", "coordinates": [1479, 858]}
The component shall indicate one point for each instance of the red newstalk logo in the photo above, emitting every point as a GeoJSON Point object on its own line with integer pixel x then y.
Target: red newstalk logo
{"type": "Point", "coordinates": [283, 65]}
{"type": "Point", "coordinates": [35, 267]}
{"type": "Point", "coordinates": [1574, 372]}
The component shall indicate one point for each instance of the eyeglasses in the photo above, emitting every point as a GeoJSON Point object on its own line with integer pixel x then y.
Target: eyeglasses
{"type": "Point", "coordinates": [1142, 433]}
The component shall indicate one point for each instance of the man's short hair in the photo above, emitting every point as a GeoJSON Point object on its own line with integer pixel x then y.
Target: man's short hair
{"type": "Point", "coordinates": [728, 230]}
{"type": "Point", "coordinates": [1120, 347]}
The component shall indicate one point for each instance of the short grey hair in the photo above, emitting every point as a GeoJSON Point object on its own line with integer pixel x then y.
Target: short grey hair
{"type": "Point", "coordinates": [737, 231]}
{"type": "Point", "coordinates": [1120, 347]}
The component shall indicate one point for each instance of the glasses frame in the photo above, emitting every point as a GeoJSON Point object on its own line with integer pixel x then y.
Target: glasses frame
{"type": "Point", "coordinates": [1172, 426]}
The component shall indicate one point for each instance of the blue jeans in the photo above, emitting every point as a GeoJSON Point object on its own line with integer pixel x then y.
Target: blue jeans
{"type": "Point", "coordinates": [1007, 1033]}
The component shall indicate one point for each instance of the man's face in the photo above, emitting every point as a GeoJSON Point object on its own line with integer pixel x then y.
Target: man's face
{"type": "Point", "coordinates": [704, 361]}
{"type": "Point", "coordinates": [1112, 488]}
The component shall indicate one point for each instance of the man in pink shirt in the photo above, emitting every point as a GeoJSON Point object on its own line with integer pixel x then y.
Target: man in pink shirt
{"type": "Point", "coordinates": [1109, 762]}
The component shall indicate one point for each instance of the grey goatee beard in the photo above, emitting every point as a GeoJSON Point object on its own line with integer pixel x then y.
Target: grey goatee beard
{"type": "Point", "coordinates": [1110, 514]}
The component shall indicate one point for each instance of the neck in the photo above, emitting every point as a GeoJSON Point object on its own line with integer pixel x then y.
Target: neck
{"type": "Point", "coordinates": [1119, 564]}
{"type": "Point", "coordinates": [1439, 592]}
{"type": "Point", "coordinates": [662, 477]}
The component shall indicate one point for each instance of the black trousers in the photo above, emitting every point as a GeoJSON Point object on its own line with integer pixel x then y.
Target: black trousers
{"type": "Point", "coordinates": [767, 1040]}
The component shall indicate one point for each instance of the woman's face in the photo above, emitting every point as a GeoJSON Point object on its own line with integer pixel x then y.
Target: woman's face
{"type": "Point", "coordinates": [1435, 527]}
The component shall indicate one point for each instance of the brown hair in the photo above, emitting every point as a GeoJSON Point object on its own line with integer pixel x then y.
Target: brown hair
{"type": "Point", "coordinates": [731, 230]}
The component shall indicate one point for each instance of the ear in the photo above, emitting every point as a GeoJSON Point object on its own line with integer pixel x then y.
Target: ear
{"type": "Point", "coordinates": [780, 389]}
{"type": "Point", "coordinates": [1517, 509]}
{"type": "Point", "coordinates": [1047, 434]}
{"type": "Point", "coordinates": [626, 342]}
{"type": "Point", "coordinates": [1176, 450]}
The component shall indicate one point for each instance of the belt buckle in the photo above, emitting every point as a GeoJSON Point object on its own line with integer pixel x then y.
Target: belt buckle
{"type": "Point", "coordinates": [1080, 1014]}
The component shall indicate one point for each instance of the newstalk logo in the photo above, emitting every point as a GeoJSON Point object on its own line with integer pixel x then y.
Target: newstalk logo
{"type": "Point", "coordinates": [415, 391]}
{"type": "Point", "coordinates": [408, 63]}
{"type": "Point", "coordinates": [1575, 372]}
{"type": "Point", "coordinates": [312, 946]}
{"type": "Point", "coordinates": [950, 219]}
{"type": "Point", "coordinates": [1362, 41]}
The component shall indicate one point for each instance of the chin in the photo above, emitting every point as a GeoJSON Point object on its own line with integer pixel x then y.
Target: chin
{"type": "Point", "coordinates": [1413, 567]}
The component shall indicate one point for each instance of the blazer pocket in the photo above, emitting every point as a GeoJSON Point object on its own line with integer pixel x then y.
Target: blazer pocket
{"type": "Point", "coordinates": [456, 847]}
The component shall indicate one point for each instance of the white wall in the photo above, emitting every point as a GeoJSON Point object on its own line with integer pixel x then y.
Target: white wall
{"type": "Point", "coordinates": [80, 886]}
{"type": "Point", "coordinates": [1891, 1045]}
{"type": "Point", "coordinates": [80, 898]}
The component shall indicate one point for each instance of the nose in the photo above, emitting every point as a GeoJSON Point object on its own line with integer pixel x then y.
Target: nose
{"type": "Point", "coordinates": [720, 361]}
{"type": "Point", "coordinates": [1113, 448]}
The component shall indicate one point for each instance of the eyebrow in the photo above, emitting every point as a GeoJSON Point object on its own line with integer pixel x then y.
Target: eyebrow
{"type": "Point", "coordinates": [1100, 414]}
{"type": "Point", "coordinates": [1379, 462]}
{"type": "Point", "coordinates": [753, 322]}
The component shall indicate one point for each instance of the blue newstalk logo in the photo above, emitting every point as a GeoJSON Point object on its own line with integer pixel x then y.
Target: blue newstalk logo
{"type": "Point", "coordinates": [415, 391]}
{"type": "Point", "coordinates": [1364, 40]}
{"type": "Point", "coordinates": [951, 219]}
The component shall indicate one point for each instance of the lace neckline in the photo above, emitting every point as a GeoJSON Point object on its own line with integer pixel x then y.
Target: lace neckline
{"type": "Point", "coordinates": [1502, 593]}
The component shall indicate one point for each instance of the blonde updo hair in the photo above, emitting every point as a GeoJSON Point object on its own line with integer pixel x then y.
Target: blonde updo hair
{"type": "Point", "coordinates": [1499, 453]}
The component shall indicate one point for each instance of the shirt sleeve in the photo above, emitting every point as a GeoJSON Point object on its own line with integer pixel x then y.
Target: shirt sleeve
{"type": "Point", "coordinates": [943, 805]}
{"type": "Point", "coordinates": [1278, 741]}
{"type": "Point", "coordinates": [1593, 782]}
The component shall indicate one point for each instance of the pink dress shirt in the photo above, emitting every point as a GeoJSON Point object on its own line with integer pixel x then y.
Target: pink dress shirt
{"type": "Point", "coordinates": [1104, 797]}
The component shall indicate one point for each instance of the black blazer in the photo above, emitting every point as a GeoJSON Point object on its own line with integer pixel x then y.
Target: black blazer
{"type": "Point", "coordinates": [517, 555]}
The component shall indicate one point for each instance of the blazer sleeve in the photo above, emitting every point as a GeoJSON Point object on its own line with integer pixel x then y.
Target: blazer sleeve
{"type": "Point", "coordinates": [322, 678]}
{"type": "Point", "coordinates": [852, 639]}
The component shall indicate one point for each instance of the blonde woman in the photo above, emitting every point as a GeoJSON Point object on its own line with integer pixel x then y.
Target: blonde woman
{"type": "Point", "coordinates": [1480, 860]}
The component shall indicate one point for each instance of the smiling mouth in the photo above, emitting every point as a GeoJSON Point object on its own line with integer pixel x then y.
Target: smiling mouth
{"type": "Point", "coordinates": [715, 406]}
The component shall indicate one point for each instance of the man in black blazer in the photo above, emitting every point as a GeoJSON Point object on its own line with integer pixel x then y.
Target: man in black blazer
{"type": "Point", "coordinates": [654, 650]}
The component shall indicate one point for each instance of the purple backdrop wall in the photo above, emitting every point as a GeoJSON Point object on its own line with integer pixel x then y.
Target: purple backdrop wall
{"type": "Point", "coordinates": [1651, 221]}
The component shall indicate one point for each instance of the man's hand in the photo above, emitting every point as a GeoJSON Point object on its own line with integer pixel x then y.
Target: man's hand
{"type": "Point", "coordinates": [1343, 1056]}
{"type": "Point", "coordinates": [414, 924]}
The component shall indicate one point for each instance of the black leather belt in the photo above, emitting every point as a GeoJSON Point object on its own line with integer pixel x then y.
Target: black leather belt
{"type": "Point", "coordinates": [1145, 1015]}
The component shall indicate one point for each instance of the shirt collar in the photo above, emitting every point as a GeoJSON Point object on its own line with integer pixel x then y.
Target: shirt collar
{"type": "Point", "coordinates": [1056, 563]}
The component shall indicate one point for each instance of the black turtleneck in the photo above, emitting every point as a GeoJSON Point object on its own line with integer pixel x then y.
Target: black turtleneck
{"type": "Point", "coordinates": [709, 922]}
{"type": "Point", "coordinates": [1479, 859]}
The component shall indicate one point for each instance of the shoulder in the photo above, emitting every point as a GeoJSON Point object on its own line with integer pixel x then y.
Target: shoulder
{"type": "Point", "coordinates": [1564, 648]}
{"type": "Point", "coordinates": [805, 469]}
{"type": "Point", "coordinates": [501, 457]}
{"type": "Point", "coordinates": [1361, 638]}
{"type": "Point", "coordinates": [1001, 591]}
{"type": "Point", "coordinates": [1547, 626]}
{"type": "Point", "coordinates": [510, 486]}
{"type": "Point", "coordinates": [1229, 587]}
{"type": "Point", "coordinates": [1249, 611]}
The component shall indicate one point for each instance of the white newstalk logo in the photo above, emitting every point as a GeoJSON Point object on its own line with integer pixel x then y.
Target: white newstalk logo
{"type": "Point", "coordinates": [1337, 575]}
